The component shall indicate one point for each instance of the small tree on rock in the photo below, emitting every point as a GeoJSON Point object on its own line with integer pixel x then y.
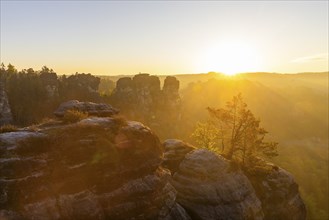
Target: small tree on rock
{"type": "Point", "coordinates": [240, 135]}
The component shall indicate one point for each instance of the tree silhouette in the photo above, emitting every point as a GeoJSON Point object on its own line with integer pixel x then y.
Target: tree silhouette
{"type": "Point", "coordinates": [239, 132]}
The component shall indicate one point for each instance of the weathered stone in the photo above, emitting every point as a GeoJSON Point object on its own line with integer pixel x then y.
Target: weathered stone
{"type": "Point", "coordinates": [9, 140]}
{"type": "Point", "coordinates": [175, 151]}
{"type": "Point", "coordinates": [109, 168]}
{"type": "Point", "coordinates": [209, 188]}
{"type": "Point", "coordinates": [171, 93]}
{"type": "Point", "coordinates": [96, 109]}
{"type": "Point", "coordinates": [279, 194]}
{"type": "Point", "coordinates": [9, 215]}
{"type": "Point", "coordinates": [141, 98]}
{"type": "Point", "coordinates": [98, 168]}
{"type": "Point", "coordinates": [171, 85]}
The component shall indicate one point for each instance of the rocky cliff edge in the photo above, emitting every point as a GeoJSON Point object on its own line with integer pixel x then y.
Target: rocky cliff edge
{"type": "Point", "coordinates": [109, 168]}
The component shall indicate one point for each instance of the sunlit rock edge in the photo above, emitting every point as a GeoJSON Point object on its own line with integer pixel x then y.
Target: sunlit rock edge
{"type": "Point", "coordinates": [107, 168]}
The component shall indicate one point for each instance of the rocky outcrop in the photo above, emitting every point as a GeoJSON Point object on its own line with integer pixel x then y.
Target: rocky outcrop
{"type": "Point", "coordinates": [98, 168]}
{"type": "Point", "coordinates": [209, 187]}
{"type": "Point", "coordinates": [140, 94]}
{"type": "Point", "coordinates": [170, 111]}
{"type": "Point", "coordinates": [124, 92]}
{"type": "Point", "coordinates": [96, 109]}
{"type": "Point", "coordinates": [278, 193]}
{"type": "Point", "coordinates": [141, 98]}
{"type": "Point", "coordinates": [171, 93]}
{"type": "Point", "coordinates": [5, 112]}
{"type": "Point", "coordinates": [175, 151]}
{"type": "Point", "coordinates": [110, 168]}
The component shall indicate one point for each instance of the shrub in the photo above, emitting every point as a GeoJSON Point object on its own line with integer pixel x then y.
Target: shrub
{"type": "Point", "coordinates": [72, 116]}
{"type": "Point", "coordinates": [7, 128]}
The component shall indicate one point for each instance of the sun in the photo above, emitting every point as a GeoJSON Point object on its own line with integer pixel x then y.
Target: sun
{"type": "Point", "coordinates": [230, 58]}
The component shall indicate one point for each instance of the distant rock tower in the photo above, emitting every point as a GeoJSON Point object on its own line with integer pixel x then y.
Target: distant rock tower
{"type": "Point", "coordinates": [171, 93]}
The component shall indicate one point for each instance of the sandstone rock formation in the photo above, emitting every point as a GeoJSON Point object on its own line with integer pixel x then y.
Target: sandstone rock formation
{"type": "Point", "coordinates": [109, 168]}
{"type": "Point", "coordinates": [210, 188]}
{"type": "Point", "coordinates": [138, 97]}
{"type": "Point", "coordinates": [141, 97]}
{"type": "Point", "coordinates": [98, 168]}
{"type": "Point", "coordinates": [171, 93]}
{"type": "Point", "coordinates": [279, 194]}
{"type": "Point", "coordinates": [87, 107]}
{"type": "Point", "coordinates": [5, 112]}
{"type": "Point", "coordinates": [175, 151]}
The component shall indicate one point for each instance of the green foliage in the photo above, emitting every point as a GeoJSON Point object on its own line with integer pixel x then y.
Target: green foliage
{"type": "Point", "coordinates": [80, 86]}
{"type": "Point", "coordinates": [7, 128]}
{"type": "Point", "coordinates": [72, 116]}
{"type": "Point", "coordinates": [106, 86]}
{"type": "Point", "coordinates": [239, 132]}
{"type": "Point", "coordinates": [34, 95]}
{"type": "Point", "coordinates": [206, 135]}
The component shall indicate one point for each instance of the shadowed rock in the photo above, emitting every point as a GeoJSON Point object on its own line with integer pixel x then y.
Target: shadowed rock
{"type": "Point", "coordinates": [141, 98]}
{"type": "Point", "coordinates": [98, 168]}
{"type": "Point", "coordinates": [279, 194]}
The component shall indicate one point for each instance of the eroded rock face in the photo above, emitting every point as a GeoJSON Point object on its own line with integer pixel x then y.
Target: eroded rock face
{"type": "Point", "coordinates": [279, 194]}
{"type": "Point", "coordinates": [142, 98]}
{"type": "Point", "coordinates": [171, 93]}
{"type": "Point", "coordinates": [175, 151]}
{"type": "Point", "coordinates": [96, 109]}
{"type": "Point", "coordinates": [170, 111]}
{"type": "Point", "coordinates": [98, 168]}
{"type": "Point", "coordinates": [109, 168]}
{"type": "Point", "coordinates": [140, 94]}
{"type": "Point", "coordinates": [210, 188]}
{"type": "Point", "coordinates": [5, 112]}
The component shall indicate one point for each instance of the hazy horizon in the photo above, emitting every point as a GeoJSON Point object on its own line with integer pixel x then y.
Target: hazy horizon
{"type": "Point", "coordinates": [162, 38]}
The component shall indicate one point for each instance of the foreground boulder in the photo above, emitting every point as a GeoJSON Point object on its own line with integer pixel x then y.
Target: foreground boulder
{"type": "Point", "coordinates": [209, 187]}
{"type": "Point", "coordinates": [278, 193]}
{"type": "Point", "coordinates": [98, 168]}
{"type": "Point", "coordinates": [95, 109]}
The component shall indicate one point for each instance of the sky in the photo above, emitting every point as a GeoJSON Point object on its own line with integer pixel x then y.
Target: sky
{"type": "Point", "coordinates": [165, 37]}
